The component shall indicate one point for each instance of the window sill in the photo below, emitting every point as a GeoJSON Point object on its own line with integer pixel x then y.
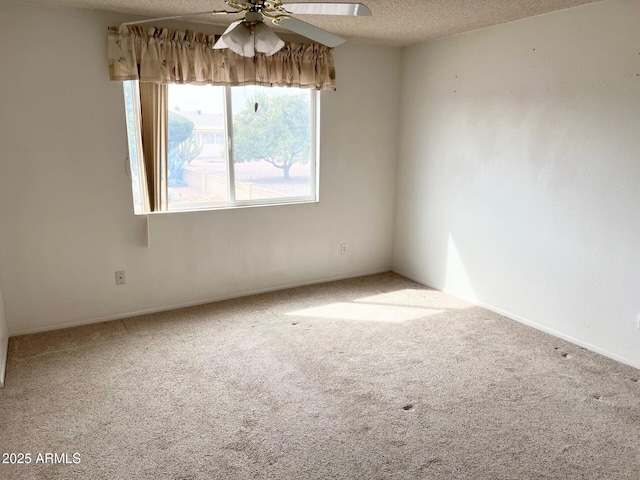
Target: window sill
{"type": "Point", "coordinates": [239, 206]}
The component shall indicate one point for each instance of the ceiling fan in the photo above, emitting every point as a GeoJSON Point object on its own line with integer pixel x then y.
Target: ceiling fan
{"type": "Point", "coordinates": [251, 34]}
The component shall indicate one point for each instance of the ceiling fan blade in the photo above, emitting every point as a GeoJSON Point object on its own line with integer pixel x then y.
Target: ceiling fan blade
{"type": "Point", "coordinates": [311, 32]}
{"type": "Point", "coordinates": [322, 8]}
{"type": "Point", "coordinates": [158, 19]}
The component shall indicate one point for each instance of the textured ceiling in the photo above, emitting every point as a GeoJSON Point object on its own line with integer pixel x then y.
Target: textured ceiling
{"type": "Point", "coordinates": [394, 22]}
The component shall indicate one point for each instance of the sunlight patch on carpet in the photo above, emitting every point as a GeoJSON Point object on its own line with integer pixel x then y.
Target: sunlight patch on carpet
{"type": "Point", "coordinates": [366, 312]}
{"type": "Point", "coordinates": [431, 299]}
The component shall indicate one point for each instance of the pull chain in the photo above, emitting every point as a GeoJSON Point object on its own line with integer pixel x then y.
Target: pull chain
{"type": "Point", "coordinates": [255, 98]}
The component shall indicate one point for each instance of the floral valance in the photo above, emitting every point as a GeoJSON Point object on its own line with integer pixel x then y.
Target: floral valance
{"type": "Point", "coordinates": [163, 55]}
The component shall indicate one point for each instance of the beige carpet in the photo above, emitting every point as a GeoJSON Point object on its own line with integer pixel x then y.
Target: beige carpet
{"type": "Point", "coordinates": [370, 378]}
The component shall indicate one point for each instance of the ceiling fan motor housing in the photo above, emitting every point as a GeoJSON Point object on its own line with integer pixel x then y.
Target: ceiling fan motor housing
{"type": "Point", "coordinates": [253, 17]}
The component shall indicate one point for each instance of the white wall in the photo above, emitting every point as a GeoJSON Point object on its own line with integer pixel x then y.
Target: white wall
{"type": "Point", "coordinates": [65, 199]}
{"type": "Point", "coordinates": [519, 173]}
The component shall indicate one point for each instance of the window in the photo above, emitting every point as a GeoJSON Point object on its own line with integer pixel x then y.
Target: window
{"type": "Point", "coordinates": [229, 146]}
{"type": "Point", "coordinates": [132, 111]}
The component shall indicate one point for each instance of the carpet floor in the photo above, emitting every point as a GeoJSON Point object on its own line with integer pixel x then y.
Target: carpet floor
{"type": "Point", "coordinates": [375, 377]}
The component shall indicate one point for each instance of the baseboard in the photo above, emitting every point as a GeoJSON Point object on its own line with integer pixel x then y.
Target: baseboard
{"type": "Point", "coordinates": [519, 319]}
{"type": "Point", "coordinates": [205, 301]}
{"type": "Point", "coordinates": [4, 351]}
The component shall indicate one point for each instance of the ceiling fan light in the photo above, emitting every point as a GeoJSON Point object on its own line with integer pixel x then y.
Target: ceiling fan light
{"type": "Point", "coordinates": [237, 39]}
{"type": "Point", "coordinates": [220, 44]}
{"type": "Point", "coordinates": [265, 40]}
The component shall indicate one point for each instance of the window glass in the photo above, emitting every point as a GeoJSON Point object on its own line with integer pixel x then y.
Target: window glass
{"type": "Point", "coordinates": [271, 130]}
{"type": "Point", "coordinates": [196, 166]}
{"type": "Point", "coordinates": [272, 146]}
{"type": "Point", "coordinates": [132, 115]}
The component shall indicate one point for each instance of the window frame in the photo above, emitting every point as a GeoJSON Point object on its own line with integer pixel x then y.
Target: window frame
{"type": "Point", "coordinates": [135, 159]}
{"type": "Point", "coordinates": [232, 202]}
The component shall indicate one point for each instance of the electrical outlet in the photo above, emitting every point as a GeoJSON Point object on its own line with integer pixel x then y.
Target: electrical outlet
{"type": "Point", "coordinates": [120, 277]}
{"type": "Point", "coordinates": [343, 249]}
